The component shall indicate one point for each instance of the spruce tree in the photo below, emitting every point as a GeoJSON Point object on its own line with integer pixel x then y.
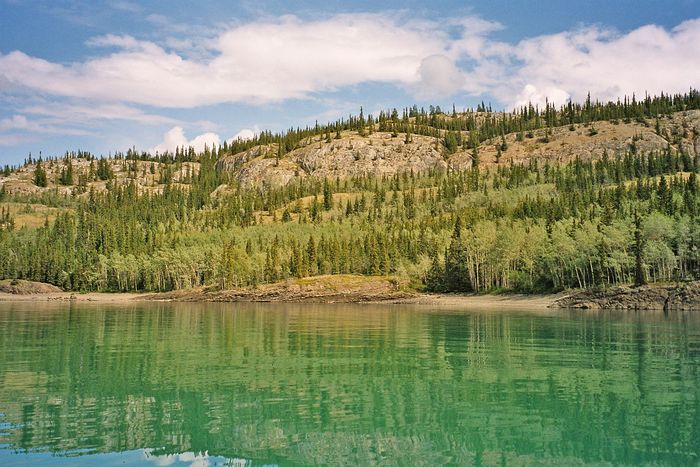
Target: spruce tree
{"type": "Point", "coordinates": [40, 175]}
{"type": "Point", "coordinates": [327, 196]}
{"type": "Point", "coordinates": [456, 272]}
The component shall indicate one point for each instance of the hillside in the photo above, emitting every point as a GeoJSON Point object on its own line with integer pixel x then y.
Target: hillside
{"type": "Point", "coordinates": [588, 196]}
{"type": "Point", "coordinates": [380, 153]}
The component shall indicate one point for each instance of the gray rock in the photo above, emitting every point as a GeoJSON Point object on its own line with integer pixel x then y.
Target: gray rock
{"type": "Point", "coordinates": [681, 297]}
{"type": "Point", "coordinates": [378, 154]}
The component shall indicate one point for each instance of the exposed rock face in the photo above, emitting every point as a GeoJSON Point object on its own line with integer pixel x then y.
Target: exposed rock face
{"type": "Point", "coordinates": [683, 297]}
{"type": "Point", "coordinates": [268, 171]}
{"type": "Point", "coordinates": [376, 156]}
{"type": "Point", "coordinates": [352, 155]}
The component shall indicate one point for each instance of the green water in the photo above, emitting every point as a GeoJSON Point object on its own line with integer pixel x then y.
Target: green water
{"type": "Point", "coordinates": [345, 385]}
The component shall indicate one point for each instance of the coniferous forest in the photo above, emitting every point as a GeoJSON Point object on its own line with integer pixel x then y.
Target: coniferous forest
{"type": "Point", "coordinates": [628, 217]}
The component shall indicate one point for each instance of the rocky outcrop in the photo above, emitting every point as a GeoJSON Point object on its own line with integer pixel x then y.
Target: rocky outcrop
{"type": "Point", "coordinates": [681, 297]}
{"type": "Point", "coordinates": [350, 156]}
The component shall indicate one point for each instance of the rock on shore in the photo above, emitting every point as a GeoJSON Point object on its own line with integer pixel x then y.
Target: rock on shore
{"type": "Point", "coordinates": [680, 297]}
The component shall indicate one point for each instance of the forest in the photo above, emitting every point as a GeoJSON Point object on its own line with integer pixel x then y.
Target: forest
{"type": "Point", "coordinates": [626, 218]}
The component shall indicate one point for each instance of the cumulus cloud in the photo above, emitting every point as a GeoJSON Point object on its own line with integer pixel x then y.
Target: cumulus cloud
{"type": "Point", "coordinates": [244, 135]}
{"type": "Point", "coordinates": [175, 137]}
{"type": "Point", "coordinates": [608, 64]}
{"type": "Point", "coordinates": [439, 77]}
{"type": "Point", "coordinates": [287, 58]}
{"type": "Point", "coordinates": [263, 61]}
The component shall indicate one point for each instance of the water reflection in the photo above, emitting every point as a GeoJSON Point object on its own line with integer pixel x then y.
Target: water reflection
{"type": "Point", "coordinates": [347, 385]}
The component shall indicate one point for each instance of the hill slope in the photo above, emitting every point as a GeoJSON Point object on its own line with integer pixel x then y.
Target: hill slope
{"type": "Point", "coordinates": [381, 153]}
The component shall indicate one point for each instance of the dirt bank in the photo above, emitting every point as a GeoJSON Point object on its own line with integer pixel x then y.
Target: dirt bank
{"type": "Point", "coordinates": [353, 289]}
{"type": "Point", "coordinates": [318, 289]}
{"type": "Point", "coordinates": [22, 287]}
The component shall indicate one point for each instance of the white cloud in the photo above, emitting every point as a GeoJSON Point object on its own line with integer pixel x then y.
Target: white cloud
{"type": "Point", "coordinates": [41, 118]}
{"type": "Point", "coordinates": [88, 114]}
{"type": "Point", "coordinates": [244, 135]}
{"type": "Point", "coordinates": [175, 137]}
{"type": "Point", "coordinates": [18, 129]}
{"type": "Point", "coordinates": [439, 77]}
{"type": "Point", "coordinates": [14, 122]}
{"type": "Point", "coordinates": [540, 96]}
{"type": "Point", "coordinates": [609, 65]}
{"type": "Point", "coordinates": [263, 61]}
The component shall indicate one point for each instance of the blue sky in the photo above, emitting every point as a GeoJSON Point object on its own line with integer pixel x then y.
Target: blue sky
{"type": "Point", "coordinates": [108, 75]}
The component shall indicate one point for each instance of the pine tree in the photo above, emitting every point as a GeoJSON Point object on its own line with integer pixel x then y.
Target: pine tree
{"type": "Point", "coordinates": [327, 196]}
{"type": "Point", "coordinates": [314, 210]}
{"type": "Point", "coordinates": [104, 171]}
{"type": "Point", "coordinates": [67, 174]}
{"type": "Point", "coordinates": [435, 276]}
{"type": "Point", "coordinates": [475, 157]}
{"type": "Point", "coordinates": [456, 273]}
{"type": "Point", "coordinates": [311, 256]}
{"type": "Point", "coordinates": [40, 175]}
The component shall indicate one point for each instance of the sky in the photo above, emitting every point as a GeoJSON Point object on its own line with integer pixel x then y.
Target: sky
{"type": "Point", "coordinates": [108, 75]}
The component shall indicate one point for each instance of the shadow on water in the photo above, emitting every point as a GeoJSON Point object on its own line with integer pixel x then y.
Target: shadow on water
{"type": "Point", "coordinates": [346, 384]}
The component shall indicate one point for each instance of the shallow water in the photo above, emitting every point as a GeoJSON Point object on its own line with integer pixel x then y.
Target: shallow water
{"type": "Point", "coordinates": [337, 384]}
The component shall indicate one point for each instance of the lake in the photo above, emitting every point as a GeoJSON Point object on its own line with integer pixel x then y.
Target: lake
{"type": "Point", "coordinates": [249, 384]}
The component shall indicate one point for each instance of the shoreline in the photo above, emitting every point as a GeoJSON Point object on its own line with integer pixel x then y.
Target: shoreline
{"type": "Point", "coordinates": [350, 289]}
{"type": "Point", "coordinates": [452, 300]}
{"type": "Point", "coordinates": [72, 297]}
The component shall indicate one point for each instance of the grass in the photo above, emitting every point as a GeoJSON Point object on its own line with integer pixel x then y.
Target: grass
{"type": "Point", "coordinates": [31, 216]}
